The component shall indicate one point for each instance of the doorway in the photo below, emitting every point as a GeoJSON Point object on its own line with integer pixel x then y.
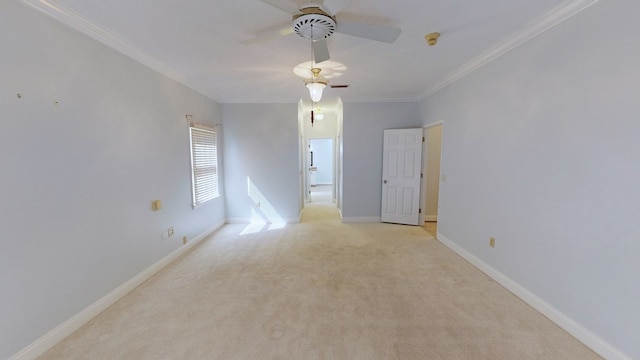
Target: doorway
{"type": "Point", "coordinates": [431, 176]}
{"type": "Point", "coordinates": [321, 170]}
{"type": "Point", "coordinates": [321, 183]}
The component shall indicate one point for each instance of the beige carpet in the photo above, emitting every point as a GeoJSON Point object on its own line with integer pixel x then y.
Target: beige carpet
{"type": "Point", "coordinates": [320, 290]}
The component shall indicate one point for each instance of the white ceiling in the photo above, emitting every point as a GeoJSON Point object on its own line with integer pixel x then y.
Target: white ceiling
{"type": "Point", "coordinates": [198, 42]}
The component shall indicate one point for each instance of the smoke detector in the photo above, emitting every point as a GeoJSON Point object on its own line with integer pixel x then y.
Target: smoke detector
{"type": "Point", "coordinates": [432, 38]}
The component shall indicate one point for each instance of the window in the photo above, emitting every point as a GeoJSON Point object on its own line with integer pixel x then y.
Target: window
{"type": "Point", "coordinates": [204, 164]}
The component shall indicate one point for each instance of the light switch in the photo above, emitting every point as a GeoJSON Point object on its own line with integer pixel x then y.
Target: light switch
{"type": "Point", "coordinates": [156, 205]}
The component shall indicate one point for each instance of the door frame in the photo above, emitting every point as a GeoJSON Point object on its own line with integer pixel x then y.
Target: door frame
{"type": "Point", "coordinates": [425, 159]}
{"type": "Point", "coordinates": [333, 169]}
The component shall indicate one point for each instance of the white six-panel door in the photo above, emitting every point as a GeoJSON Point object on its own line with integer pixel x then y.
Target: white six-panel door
{"type": "Point", "coordinates": [401, 166]}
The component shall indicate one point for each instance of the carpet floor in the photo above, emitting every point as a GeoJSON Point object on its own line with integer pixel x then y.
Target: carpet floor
{"type": "Point", "coordinates": [320, 290]}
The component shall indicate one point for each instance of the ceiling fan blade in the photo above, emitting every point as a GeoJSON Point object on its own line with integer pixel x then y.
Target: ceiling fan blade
{"type": "Point", "coordinates": [287, 6]}
{"type": "Point", "coordinates": [333, 7]}
{"type": "Point", "coordinates": [281, 30]}
{"type": "Point", "coordinates": [320, 51]}
{"type": "Point", "coordinates": [381, 33]}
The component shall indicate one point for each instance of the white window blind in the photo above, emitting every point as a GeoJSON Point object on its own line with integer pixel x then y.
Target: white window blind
{"type": "Point", "coordinates": [204, 165]}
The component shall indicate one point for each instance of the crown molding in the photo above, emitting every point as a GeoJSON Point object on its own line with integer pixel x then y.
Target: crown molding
{"type": "Point", "coordinates": [346, 99]}
{"type": "Point", "coordinates": [545, 22]}
{"type": "Point", "coordinates": [538, 26]}
{"type": "Point", "coordinates": [75, 21]}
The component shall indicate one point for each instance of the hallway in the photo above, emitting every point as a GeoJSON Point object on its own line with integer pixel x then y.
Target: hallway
{"type": "Point", "coordinates": [322, 194]}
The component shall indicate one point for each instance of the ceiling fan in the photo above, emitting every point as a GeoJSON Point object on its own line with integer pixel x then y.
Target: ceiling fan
{"type": "Point", "coordinates": [317, 21]}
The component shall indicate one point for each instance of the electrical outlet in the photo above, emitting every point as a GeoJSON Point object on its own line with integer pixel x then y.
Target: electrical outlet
{"type": "Point", "coordinates": [492, 242]}
{"type": "Point", "coordinates": [170, 231]}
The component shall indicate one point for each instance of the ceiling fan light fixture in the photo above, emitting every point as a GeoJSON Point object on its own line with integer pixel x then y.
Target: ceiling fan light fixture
{"type": "Point", "coordinates": [315, 91]}
{"type": "Point", "coordinates": [314, 24]}
{"type": "Point", "coordinates": [316, 85]}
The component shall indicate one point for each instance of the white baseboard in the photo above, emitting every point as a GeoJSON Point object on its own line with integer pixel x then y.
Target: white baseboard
{"type": "Point", "coordinates": [360, 219]}
{"type": "Point", "coordinates": [65, 329]}
{"type": "Point", "coordinates": [588, 338]}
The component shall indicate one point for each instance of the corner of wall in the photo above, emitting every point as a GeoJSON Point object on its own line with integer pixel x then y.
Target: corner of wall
{"type": "Point", "coordinates": [588, 338]}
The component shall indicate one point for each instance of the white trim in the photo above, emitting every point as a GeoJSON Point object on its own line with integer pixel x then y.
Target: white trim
{"type": "Point", "coordinates": [372, 219]}
{"type": "Point", "coordinates": [204, 127]}
{"type": "Point", "coordinates": [69, 17]}
{"type": "Point", "coordinates": [538, 26]}
{"type": "Point", "coordinates": [65, 329]}
{"type": "Point", "coordinates": [347, 99]}
{"type": "Point", "coordinates": [588, 338]}
{"type": "Point", "coordinates": [433, 124]}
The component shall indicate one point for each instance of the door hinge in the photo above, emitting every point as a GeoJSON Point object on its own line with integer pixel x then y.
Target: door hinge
{"type": "Point", "coordinates": [423, 139]}
{"type": "Point", "coordinates": [419, 211]}
{"type": "Point", "coordinates": [421, 175]}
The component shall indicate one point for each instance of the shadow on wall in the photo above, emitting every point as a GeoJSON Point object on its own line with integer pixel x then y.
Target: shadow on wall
{"type": "Point", "coordinates": [263, 215]}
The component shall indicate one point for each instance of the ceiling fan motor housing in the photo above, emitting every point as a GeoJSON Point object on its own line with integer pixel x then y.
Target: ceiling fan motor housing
{"type": "Point", "coordinates": [314, 24]}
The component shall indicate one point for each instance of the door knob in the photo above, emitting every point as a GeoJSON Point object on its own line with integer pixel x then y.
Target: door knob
{"type": "Point", "coordinates": [384, 182]}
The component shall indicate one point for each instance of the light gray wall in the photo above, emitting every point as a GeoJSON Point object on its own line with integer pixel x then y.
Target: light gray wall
{"type": "Point", "coordinates": [302, 145]}
{"type": "Point", "coordinates": [364, 125]}
{"type": "Point", "coordinates": [78, 179]}
{"type": "Point", "coordinates": [339, 157]}
{"type": "Point", "coordinates": [262, 146]}
{"type": "Point", "coordinates": [541, 151]}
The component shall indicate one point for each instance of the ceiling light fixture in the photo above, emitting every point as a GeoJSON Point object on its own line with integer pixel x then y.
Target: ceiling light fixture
{"type": "Point", "coordinates": [317, 83]}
